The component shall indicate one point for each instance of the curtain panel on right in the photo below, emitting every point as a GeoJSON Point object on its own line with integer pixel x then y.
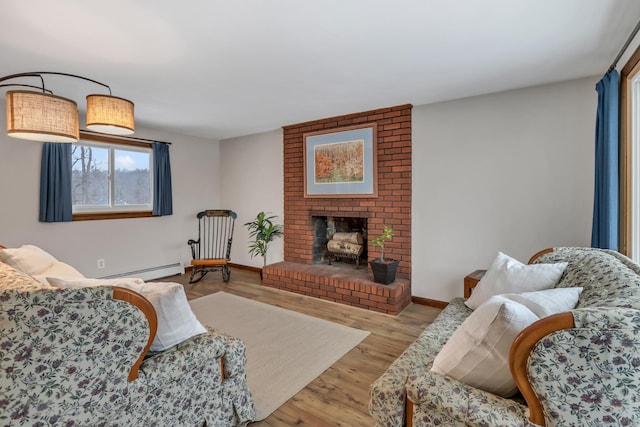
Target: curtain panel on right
{"type": "Point", "coordinates": [605, 205]}
{"type": "Point", "coordinates": [55, 183]}
{"type": "Point", "coordinates": [162, 195]}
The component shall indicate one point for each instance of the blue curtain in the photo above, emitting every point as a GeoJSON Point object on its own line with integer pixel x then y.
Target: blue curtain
{"type": "Point", "coordinates": [55, 183]}
{"type": "Point", "coordinates": [605, 205]}
{"type": "Point", "coordinates": [162, 198]}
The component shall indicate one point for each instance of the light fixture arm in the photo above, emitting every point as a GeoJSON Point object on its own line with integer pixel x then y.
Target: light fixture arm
{"type": "Point", "coordinates": [40, 73]}
{"type": "Point", "coordinates": [31, 86]}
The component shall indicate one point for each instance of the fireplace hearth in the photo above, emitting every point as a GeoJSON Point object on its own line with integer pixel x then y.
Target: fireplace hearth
{"type": "Point", "coordinates": [339, 283]}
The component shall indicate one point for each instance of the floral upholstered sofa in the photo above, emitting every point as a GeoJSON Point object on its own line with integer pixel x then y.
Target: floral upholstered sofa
{"type": "Point", "coordinates": [79, 356]}
{"type": "Point", "coordinates": [577, 368]}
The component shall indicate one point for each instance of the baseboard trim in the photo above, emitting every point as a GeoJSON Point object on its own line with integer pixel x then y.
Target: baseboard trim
{"type": "Point", "coordinates": [245, 267]}
{"type": "Point", "coordinates": [430, 302]}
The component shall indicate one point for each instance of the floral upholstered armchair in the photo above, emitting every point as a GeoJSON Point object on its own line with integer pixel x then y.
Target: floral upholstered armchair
{"type": "Point", "coordinates": [78, 356]}
{"type": "Point", "coordinates": [580, 367]}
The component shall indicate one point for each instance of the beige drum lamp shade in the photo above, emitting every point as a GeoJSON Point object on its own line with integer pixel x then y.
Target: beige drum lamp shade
{"type": "Point", "coordinates": [41, 117]}
{"type": "Point", "coordinates": [110, 114]}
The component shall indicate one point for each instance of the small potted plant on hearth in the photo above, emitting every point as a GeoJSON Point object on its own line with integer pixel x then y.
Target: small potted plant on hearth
{"type": "Point", "coordinates": [384, 269]}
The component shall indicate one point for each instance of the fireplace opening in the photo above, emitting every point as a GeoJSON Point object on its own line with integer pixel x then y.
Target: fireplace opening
{"type": "Point", "coordinates": [326, 227]}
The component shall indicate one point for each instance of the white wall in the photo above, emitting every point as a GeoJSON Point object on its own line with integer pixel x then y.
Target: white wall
{"type": "Point", "coordinates": [251, 180]}
{"type": "Point", "coordinates": [510, 171]}
{"type": "Point", "coordinates": [125, 244]}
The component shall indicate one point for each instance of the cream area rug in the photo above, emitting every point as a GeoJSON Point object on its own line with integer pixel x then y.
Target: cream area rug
{"type": "Point", "coordinates": [286, 350]}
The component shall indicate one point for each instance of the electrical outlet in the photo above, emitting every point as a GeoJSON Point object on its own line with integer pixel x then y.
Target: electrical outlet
{"type": "Point", "coordinates": [101, 263]}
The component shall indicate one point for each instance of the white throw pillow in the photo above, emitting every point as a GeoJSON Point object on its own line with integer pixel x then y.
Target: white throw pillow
{"type": "Point", "coordinates": [174, 312]}
{"type": "Point", "coordinates": [478, 351]}
{"type": "Point", "coordinates": [27, 258]}
{"type": "Point", "coordinates": [508, 275]}
{"type": "Point", "coordinates": [176, 321]}
{"type": "Point", "coordinates": [59, 269]}
{"type": "Point", "coordinates": [548, 302]}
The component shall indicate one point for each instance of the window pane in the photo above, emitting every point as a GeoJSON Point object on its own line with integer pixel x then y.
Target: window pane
{"type": "Point", "coordinates": [90, 176]}
{"type": "Point", "coordinates": [132, 186]}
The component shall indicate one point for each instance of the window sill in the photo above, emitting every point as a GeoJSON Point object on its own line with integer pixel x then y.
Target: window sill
{"type": "Point", "coordinates": [91, 216]}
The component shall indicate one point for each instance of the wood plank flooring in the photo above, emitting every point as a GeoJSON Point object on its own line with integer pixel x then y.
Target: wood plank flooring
{"type": "Point", "coordinates": [340, 396]}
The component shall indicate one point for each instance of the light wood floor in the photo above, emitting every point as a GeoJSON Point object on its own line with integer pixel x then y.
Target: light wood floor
{"type": "Point", "coordinates": [340, 396]}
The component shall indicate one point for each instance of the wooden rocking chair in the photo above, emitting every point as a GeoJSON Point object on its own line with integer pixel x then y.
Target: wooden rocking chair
{"type": "Point", "coordinates": [212, 250]}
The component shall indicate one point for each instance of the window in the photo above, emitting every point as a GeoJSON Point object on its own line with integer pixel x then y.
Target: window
{"type": "Point", "coordinates": [110, 178]}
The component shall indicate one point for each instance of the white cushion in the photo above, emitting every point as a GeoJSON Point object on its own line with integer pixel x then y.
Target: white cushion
{"type": "Point", "coordinates": [176, 321]}
{"type": "Point", "coordinates": [478, 351]}
{"type": "Point", "coordinates": [75, 283]}
{"type": "Point", "coordinates": [507, 274]}
{"type": "Point", "coordinates": [174, 312]}
{"type": "Point", "coordinates": [27, 258]}
{"type": "Point", "coordinates": [548, 302]}
{"type": "Point", "coordinates": [59, 269]}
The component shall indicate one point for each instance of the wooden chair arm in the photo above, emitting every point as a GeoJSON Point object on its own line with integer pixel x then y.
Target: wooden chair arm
{"type": "Point", "coordinates": [519, 356]}
{"type": "Point", "coordinates": [146, 307]}
{"type": "Point", "coordinates": [471, 281]}
{"type": "Point", "coordinates": [539, 254]}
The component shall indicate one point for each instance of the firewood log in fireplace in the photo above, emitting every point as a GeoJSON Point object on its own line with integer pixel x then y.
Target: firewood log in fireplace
{"type": "Point", "coordinates": [348, 237]}
{"type": "Point", "coordinates": [345, 245]}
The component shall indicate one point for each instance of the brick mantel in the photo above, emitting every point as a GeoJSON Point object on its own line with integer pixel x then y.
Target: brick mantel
{"type": "Point", "coordinates": [392, 206]}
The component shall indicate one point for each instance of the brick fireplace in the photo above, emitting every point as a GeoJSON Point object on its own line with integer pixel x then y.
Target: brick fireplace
{"type": "Point", "coordinates": [306, 273]}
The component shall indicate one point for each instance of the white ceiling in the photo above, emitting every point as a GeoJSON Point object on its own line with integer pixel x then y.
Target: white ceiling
{"type": "Point", "coordinates": [218, 69]}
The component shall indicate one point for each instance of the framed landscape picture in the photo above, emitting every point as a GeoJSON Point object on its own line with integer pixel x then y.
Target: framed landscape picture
{"type": "Point", "coordinates": [341, 162]}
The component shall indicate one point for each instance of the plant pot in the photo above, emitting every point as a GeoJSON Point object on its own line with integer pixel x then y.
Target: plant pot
{"type": "Point", "coordinates": [384, 271]}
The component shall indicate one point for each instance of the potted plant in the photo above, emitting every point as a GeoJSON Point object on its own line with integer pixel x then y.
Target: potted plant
{"type": "Point", "coordinates": [263, 231]}
{"type": "Point", "coordinates": [384, 269]}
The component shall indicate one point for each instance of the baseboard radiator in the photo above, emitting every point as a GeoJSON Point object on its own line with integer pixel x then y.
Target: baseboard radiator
{"type": "Point", "coordinates": [152, 272]}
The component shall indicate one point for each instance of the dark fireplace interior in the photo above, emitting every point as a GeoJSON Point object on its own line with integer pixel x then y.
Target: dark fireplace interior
{"type": "Point", "coordinates": [324, 228]}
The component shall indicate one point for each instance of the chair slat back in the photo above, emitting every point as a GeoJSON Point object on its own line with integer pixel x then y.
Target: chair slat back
{"type": "Point", "coordinates": [215, 232]}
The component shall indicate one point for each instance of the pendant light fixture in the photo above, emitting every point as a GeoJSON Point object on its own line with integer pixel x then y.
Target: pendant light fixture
{"type": "Point", "coordinates": [110, 114]}
{"type": "Point", "coordinates": [42, 116]}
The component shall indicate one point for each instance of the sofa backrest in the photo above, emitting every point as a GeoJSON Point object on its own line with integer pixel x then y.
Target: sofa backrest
{"type": "Point", "coordinates": [609, 278]}
{"type": "Point", "coordinates": [64, 349]}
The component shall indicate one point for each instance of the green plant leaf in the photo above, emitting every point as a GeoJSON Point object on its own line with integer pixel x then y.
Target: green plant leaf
{"type": "Point", "coordinates": [263, 231]}
{"type": "Point", "coordinates": [379, 241]}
